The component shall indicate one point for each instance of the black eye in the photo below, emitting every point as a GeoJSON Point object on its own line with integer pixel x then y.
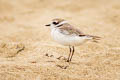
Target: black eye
{"type": "Point", "coordinates": [55, 23]}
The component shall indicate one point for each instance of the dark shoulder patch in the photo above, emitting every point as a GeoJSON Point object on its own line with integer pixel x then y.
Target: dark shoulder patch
{"type": "Point", "coordinates": [82, 35]}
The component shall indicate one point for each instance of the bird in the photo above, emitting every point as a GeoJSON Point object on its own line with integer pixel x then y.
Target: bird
{"type": "Point", "coordinates": [66, 34]}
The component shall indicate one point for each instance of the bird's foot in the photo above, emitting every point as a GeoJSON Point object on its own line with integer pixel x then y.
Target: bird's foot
{"type": "Point", "coordinates": [68, 60]}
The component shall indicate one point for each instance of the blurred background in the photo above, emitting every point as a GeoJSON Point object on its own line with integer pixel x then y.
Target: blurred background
{"type": "Point", "coordinates": [26, 44]}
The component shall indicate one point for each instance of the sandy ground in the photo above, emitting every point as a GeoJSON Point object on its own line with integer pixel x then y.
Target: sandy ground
{"type": "Point", "coordinates": [27, 51]}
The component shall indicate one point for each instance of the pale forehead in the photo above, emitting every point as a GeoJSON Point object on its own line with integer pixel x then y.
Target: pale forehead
{"type": "Point", "coordinates": [57, 20]}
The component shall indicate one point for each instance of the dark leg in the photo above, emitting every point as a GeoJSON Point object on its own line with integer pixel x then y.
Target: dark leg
{"type": "Point", "coordinates": [69, 54]}
{"type": "Point", "coordinates": [73, 50]}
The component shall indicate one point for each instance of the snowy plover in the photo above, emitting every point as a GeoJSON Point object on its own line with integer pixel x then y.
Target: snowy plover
{"type": "Point", "coordinates": [65, 34]}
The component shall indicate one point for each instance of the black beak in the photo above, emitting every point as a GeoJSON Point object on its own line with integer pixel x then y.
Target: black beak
{"type": "Point", "coordinates": [47, 25]}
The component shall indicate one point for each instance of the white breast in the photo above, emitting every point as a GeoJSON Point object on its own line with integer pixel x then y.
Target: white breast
{"type": "Point", "coordinates": [67, 40]}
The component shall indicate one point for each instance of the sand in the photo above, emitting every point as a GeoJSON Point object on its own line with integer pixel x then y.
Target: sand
{"type": "Point", "coordinates": [27, 51]}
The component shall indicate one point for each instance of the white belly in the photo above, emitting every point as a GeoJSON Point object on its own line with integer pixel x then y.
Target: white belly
{"type": "Point", "coordinates": [67, 40]}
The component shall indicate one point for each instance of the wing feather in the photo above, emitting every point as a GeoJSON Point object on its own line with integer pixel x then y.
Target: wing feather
{"type": "Point", "coordinates": [69, 30]}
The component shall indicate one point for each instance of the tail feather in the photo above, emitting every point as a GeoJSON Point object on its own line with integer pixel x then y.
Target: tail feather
{"type": "Point", "coordinates": [95, 38]}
